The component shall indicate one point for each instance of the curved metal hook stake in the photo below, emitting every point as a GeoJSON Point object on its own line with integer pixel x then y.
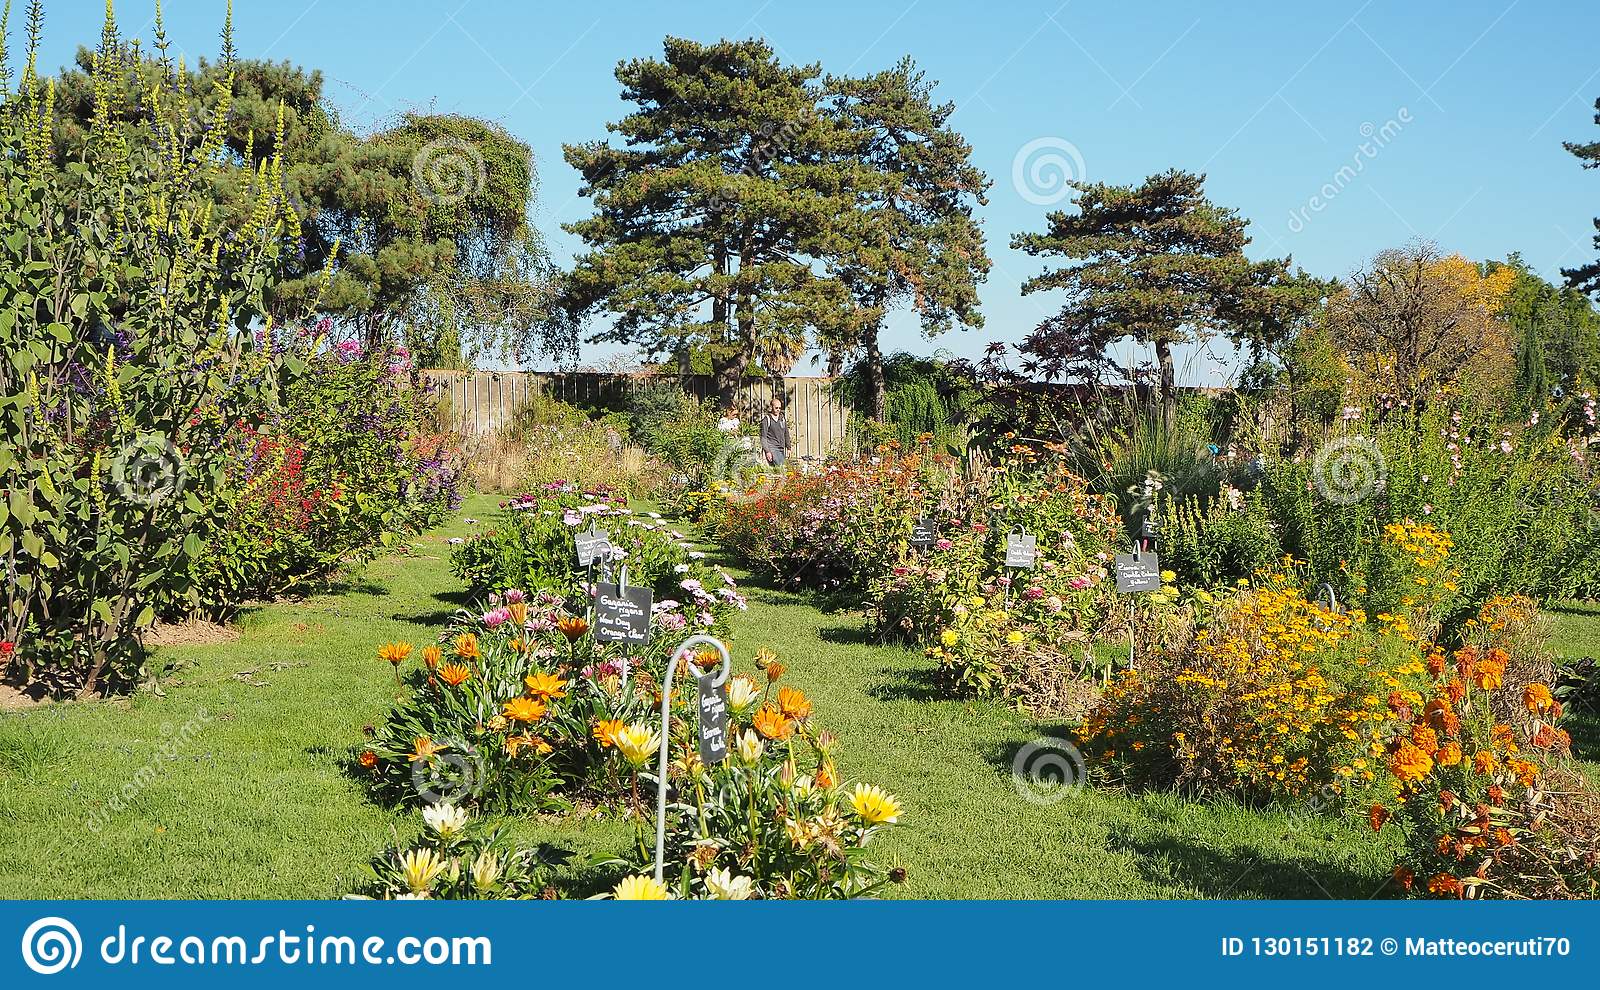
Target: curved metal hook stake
{"type": "Point", "coordinates": [1333, 599]}
{"type": "Point", "coordinates": [666, 714]}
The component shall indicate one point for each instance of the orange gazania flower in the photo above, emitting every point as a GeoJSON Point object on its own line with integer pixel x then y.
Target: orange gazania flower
{"type": "Point", "coordinates": [573, 627]}
{"type": "Point", "coordinates": [423, 748]}
{"type": "Point", "coordinates": [524, 710]}
{"type": "Point", "coordinates": [770, 722]}
{"type": "Point", "coordinates": [775, 670]}
{"type": "Point", "coordinates": [545, 686]}
{"type": "Point", "coordinates": [1536, 697]}
{"type": "Point", "coordinates": [431, 656]}
{"type": "Point", "coordinates": [515, 744]}
{"type": "Point", "coordinates": [1410, 763]}
{"type": "Point", "coordinates": [395, 653]}
{"type": "Point", "coordinates": [794, 704]}
{"type": "Point", "coordinates": [1444, 885]}
{"type": "Point", "coordinates": [466, 646]}
{"type": "Point", "coordinates": [519, 612]}
{"type": "Point", "coordinates": [368, 758]}
{"type": "Point", "coordinates": [605, 731]}
{"type": "Point", "coordinates": [455, 674]}
{"type": "Point", "coordinates": [824, 777]}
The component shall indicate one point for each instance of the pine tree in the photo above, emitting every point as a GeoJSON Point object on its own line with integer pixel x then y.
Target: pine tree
{"type": "Point", "coordinates": [1158, 263]}
{"type": "Point", "coordinates": [710, 215]}
{"type": "Point", "coordinates": [911, 237]}
{"type": "Point", "coordinates": [1586, 278]}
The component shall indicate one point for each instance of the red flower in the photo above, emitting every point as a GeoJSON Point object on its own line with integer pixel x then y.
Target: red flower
{"type": "Point", "coordinates": [6, 649]}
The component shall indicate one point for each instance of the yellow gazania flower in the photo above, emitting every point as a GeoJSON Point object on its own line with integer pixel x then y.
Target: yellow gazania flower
{"type": "Point", "coordinates": [637, 743]}
{"type": "Point", "coordinates": [640, 888]}
{"type": "Point", "coordinates": [420, 868]}
{"type": "Point", "coordinates": [395, 653]}
{"type": "Point", "coordinates": [423, 748]}
{"type": "Point", "coordinates": [875, 805]}
{"type": "Point", "coordinates": [525, 709]}
{"type": "Point", "coordinates": [545, 686]}
{"type": "Point", "coordinates": [455, 674]}
{"type": "Point", "coordinates": [949, 637]}
{"type": "Point", "coordinates": [466, 646]}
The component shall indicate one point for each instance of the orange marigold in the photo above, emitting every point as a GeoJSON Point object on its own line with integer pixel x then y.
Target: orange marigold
{"type": "Point", "coordinates": [1377, 815]}
{"type": "Point", "coordinates": [1448, 755]}
{"type": "Point", "coordinates": [1444, 885]}
{"type": "Point", "coordinates": [1537, 697]}
{"type": "Point", "coordinates": [1410, 764]}
{"type": "Point", "coordinates": [1485, 762]}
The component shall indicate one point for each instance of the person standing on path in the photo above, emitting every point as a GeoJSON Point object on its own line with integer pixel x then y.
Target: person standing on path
{"type": "Point", "coordinates": [775, 434]}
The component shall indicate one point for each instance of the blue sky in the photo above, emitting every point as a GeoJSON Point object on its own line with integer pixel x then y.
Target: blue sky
{"type": "Point", "coordinates": [1449, 116]}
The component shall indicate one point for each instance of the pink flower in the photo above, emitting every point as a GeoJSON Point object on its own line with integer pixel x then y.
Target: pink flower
{"type": "Point", "coordinates": [495, 616]}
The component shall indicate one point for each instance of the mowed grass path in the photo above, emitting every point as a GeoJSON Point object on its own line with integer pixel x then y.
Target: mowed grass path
{"type": "Point", "coordinates": [258, 802]}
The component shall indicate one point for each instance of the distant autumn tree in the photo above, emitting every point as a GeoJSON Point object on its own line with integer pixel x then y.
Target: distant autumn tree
{"type": "Point", "coordinates": [1415, 319]}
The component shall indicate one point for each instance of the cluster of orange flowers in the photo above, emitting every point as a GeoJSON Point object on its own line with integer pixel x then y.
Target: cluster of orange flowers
{"type": "Point", "coordinates": [1454, 765]}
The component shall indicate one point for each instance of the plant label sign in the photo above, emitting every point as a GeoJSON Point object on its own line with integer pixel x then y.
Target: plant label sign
{"type": "Point", "coordinates": [713, 721]}
{"type": "Point", "coordinates": [1021, 550]}
{"type": "Point", "coordinates": [622, 615]}
{"type": "Point", "coordinates": [923, 533]}
{"type": "Point", "coordinates": [592, 545]}
{"type": "Point", "coordinates": [1138, 574]}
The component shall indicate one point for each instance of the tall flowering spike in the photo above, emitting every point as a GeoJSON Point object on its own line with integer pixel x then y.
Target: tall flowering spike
{"type": "Point", "coordinates": [5, 61]}
{"type": "Point", "coordinates": [229, 54]}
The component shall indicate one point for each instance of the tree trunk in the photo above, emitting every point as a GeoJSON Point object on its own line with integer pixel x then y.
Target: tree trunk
{"type": "Point", "coordinates": [877, 393]}
{"type": "Point", "coordinates": [727, 374]}
{"type": "Point", "coordinates": [1169, 385]}
{"type": "Point", "coordinates": [835, 362]}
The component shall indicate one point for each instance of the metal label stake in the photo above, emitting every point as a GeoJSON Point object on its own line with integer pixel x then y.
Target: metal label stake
{"type": "Point", "coordinates": [666, 727]}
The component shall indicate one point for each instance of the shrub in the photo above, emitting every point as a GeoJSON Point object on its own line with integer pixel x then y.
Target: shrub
{"type": "Point", "coordinates": [837, 527]}
{"type": "Point", "coordinates": [351, 461]}
{"type": "Point", "coordinates": [125, 355]}
{"type": "Point", "coordinates": [530, 546]}
{"type": "Point", "coordinates": [1278, 697]}
{"type": "Point", "coordinates": [550, 441]}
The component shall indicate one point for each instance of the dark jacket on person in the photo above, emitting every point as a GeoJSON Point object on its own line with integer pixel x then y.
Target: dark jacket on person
{"type": "Point", "coordinates": [774, 436]}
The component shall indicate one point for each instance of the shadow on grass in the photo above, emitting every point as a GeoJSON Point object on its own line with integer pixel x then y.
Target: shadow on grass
{"type": "Point", "coordinates": [449, 603]}
{"type": "Point", "coordinates": [1245, 874]}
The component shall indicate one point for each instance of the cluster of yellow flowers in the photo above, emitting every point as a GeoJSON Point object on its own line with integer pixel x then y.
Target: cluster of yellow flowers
{"type": "Point", "coordinates": [1280, 697]}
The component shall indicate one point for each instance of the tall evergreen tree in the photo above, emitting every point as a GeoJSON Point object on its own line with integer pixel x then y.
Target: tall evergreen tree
{"type": "Point", "coordinates": [1157, 263]}
{"type": "Point", "coordinates": [710, 216]}
{"type": "Point", "coordinates": [1586, 278]}
{"type": "Point", "coordinates": [911, 238]}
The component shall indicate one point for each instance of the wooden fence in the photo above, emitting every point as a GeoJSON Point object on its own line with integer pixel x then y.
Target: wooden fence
{"type": "Point", "coordinates": [482, 402]}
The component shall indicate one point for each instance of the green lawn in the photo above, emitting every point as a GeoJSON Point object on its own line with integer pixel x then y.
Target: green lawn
{"type": "Point", "coordinates": [257, 803]}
